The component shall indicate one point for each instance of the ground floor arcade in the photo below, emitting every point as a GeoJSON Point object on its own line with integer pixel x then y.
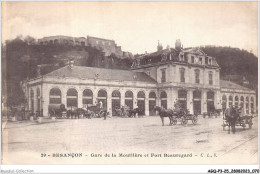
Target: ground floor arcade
{"type": "Point", "coordinates": [41, 97]}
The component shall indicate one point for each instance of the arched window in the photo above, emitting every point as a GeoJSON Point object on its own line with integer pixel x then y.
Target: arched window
{"type": "Point", "coordinates": [116, 94]}
{"type": "Point", "coordinates": [55, 96]}
{"type": "Point", "coordinates": [72, 98]}
{"type": "Point", "coordinates": [230, 101]}
{"type": "Point", "coordinates": [252, 105]}
{"type": "Point", "coordinates": [141, 101]}
{"type": "Point", "coordinates": [129, 99]}
{"type": "Point", "coordinates": [236, 101]}
{"type": "Point", "coordinates": [182, 74]}
{"type": "Point", "coordinates": [163, 97]}
{"type": "Point", "coordinates": [247, 105]}
{"type": "Point", "coordinates": [102, 97]}
{"type": "Point", "coordinates": [87, 97]}
{"type": "Point", "coordinates": [141, 95]}
{"type": "Point", "coordinates": [32, 100]}
{"type": "Point", "coordinates": [152, 95]}
{"type": "Point", "coordinates": [197, 76]}
{"type": "Point", "coordinates": [182, 97]}
{"type": "Point", "coordinates": [210, 101]}
{"type": "Point", "coordinates": [116, 99]}
{"type": "Point", "coordinates": [129, 94]}
{"type": "Point", "coordinates": [152, 103]}
{"type": "Point", "coordinates": [224, 102]}
{"type": "Point", "coordinates": [210, 78]}
{"type": "Point", "coordinates": [38, 100]}
{"type": "Point", "coordinates": [242, 101]}
{"type": "Point", "coordinates": [102, 94]}
{"type": "Point", "coordinates": [197, 101]}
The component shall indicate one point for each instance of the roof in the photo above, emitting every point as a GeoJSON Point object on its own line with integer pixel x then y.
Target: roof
{"type": "Point", "coordinates": [172, 55]}
{"type": "Point", "coordinates": [231, 85]}
{"type": "Point", "coordinates": [103, 74]}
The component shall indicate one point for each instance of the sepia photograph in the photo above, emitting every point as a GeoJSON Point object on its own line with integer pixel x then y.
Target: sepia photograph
{"type": "Point", "coordinates": [129, 83]}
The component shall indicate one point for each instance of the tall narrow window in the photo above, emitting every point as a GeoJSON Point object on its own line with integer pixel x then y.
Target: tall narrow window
{"type": "Point", "coordinates": [163, 79]}
{"type": "Point", "coordinates": [200, 61]}
{"type": "Point", "coordinates": [181, 57]}
{"type": "Point", "coordinates": [206, 60]}
{"type": "Point", "coordinates": [185, 57]}
{"type": "Point", "coordinates": [210, 62]}
{"type": "Point", "coordinates": [197, 76]}
{"type": "Point", "coordinates": [210, 78]}
{"type": "Point", "coordinates": [192, 59]}
{"type": "Point", "coordinates": [182, 74]}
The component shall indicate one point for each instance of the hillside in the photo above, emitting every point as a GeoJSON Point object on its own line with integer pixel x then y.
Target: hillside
{"type": "Point", "coordinates": [234, 61]}
{"type": "Point", "coordinates": [20, 59]}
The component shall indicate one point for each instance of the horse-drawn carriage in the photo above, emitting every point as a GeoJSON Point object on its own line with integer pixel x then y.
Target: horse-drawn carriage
{"type": "Point", "coordinates": [94, 111]}
{"type": "Point", "coordinates": [122, 111]}
{"type": "Point", "coordinates": [91, 111]}
{"type": "Point", "coordinates": [184, 116]}
{"type": "Point", "coordinates": [178, 114]}
{"type": "Point", "coordinates": [58, 111]}
{"type": "Point", "coordinates": [233, 117]}
{"type": "Point", "coordinates": [243, 121]}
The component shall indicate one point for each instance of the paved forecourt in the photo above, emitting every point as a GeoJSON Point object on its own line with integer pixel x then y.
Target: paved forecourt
{"type": "Point", "coordinates": [125, 135]}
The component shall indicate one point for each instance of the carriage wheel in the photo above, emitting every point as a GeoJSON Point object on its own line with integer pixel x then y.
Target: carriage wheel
{"type": "Point", "coordinates": [195, 119]}
{"type": "Point", "coordinates": [92, 114]}
{"type": "Point", "coordinates": [183, 120]}
{"type": "Point", "coordinates": [174, 121]}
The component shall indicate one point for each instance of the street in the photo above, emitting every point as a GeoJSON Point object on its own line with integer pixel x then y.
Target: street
{"type": "Point", "coordinates": [24, 141]}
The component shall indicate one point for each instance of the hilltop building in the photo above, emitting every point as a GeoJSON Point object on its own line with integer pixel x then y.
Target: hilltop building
{"type": "Point", "coordinates": [107, 46]}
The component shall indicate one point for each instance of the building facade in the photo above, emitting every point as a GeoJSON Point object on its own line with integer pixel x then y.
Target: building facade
{"type": "Point", "coordinates": [105, 45]}
{"type": "Point", "coordinates": [160, 78]}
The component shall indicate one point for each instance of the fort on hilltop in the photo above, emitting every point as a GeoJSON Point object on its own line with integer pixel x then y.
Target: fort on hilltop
{"type": "Point", "coordinates": [105, 45]}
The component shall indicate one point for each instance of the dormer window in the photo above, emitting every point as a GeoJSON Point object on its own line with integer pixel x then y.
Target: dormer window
{"type": "Point", "coordinates": [137, 62]}
{"type": "Point", "coordinates": [210, 61]}
{"type": "Point", "coordinates": [192, 59]}
{"type": "Point", "coordinates": [206, 60]}
{"type": "Point", "coordinates": [200, 62]}
{"type": "Point", "coordinates": [164, 57]}
{"type": "Point", "coordinates": [181, 57]}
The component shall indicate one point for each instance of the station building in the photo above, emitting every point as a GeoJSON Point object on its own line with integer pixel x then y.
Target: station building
{"type": "Point", "coordinates": [161, 78]}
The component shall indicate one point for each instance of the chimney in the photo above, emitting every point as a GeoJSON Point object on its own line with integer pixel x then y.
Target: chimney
{"type": "Point", "coordinates": [159, 46]}
{"type": "Point", "coordinates": [178, 45]}
{"type": "Point", "coordinates": [38, 73]}
{"type": "Point", "coordinates": [71, 63]}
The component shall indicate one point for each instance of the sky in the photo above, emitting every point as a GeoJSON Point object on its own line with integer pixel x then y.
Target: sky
{"type": "Point", "coordinates": [137, 26]}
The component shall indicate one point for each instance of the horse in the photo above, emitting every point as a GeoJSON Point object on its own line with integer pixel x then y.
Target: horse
{"type": "Point", "coordinates": [133, 112]}
{"type": "Point", "coordinates": [164, 113]}
{"type": "Point", "coordinates": [232, 115]}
